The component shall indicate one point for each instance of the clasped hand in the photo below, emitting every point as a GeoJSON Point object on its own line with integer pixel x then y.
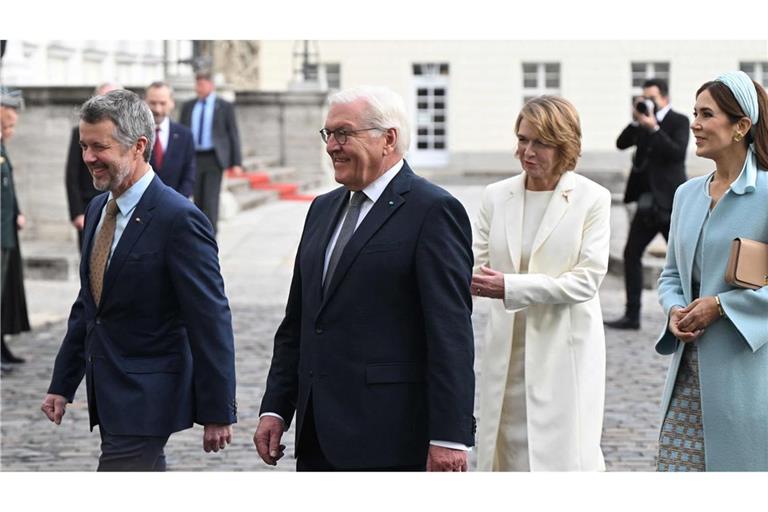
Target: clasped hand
{"type": "Point", "coordinates": [690, 322]}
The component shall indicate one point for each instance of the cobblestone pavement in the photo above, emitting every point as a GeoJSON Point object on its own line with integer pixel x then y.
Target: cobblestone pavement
{"type": "Point", "coordinates": [258, 247]}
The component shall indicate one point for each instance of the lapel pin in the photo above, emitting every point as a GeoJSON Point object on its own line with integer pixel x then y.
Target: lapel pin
{"type": "Point", "coordinates": [391, 203]}
{"type": "Point", "coordinates": [138, 219]}
{"type": "Point", "coordinates": [565, 195]}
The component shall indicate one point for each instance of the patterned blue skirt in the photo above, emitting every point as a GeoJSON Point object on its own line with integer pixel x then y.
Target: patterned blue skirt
{"type": "Point", "coordinates": [681, 443]}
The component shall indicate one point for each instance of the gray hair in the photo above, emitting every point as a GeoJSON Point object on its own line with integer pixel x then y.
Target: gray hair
{"type": "Point", "coordinates": [105, 88]}
{"type": "Point", "coordinates": [159, 84]}
{"type": "Point", "coordinates": [386, 109]}
{"type": "Point", "coordinates": [130, 115]}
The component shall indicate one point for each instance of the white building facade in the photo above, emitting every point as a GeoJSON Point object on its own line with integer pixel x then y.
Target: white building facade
{"type": "Point", "coordinates": [464, 96]}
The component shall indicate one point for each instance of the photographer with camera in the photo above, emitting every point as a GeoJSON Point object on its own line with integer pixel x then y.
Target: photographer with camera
{"type": "Point", "coordinates": [660, 136]}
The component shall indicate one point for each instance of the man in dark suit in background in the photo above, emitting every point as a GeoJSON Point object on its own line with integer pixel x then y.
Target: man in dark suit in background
{"type": "Point", "coordinates": [217, 142]}
{"type": "Point", "coordinates": [660, 136]}
{"type": "Point", "coordinates": [151, 328]}
{"type": "Point", "coordinates": [375, 352]}
{"type": "Point", "coordinates": [173, 157]}
{"type": "Point", "coordinates": [77, 179]}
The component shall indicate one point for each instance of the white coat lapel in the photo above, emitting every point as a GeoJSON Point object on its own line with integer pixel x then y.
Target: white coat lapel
{"type": "Point", "coordinates": [513, 218]}
{"type": "Point", "coordinates": [558, 205]}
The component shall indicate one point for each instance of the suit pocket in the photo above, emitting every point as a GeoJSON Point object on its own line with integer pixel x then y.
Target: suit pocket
{"type": "Point", "coordinates": [160, 364]}
{"type": "Point", "coordinates": [146, 257]}
{"type": "Point", "coordinates": [380, 247]}
{"type": "Point", "coordinates": [391, 373]}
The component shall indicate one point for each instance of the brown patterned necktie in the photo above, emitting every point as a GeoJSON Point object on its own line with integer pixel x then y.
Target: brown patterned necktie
{"type": "Point", "coordinates": [100, 251]}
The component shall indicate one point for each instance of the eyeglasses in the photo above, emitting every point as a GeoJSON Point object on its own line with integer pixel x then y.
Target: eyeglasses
{"type": "Point", "coordinates": [341, 134]}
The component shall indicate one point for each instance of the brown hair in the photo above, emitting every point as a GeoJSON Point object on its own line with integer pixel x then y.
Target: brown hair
{"type": "Point", "coordinates": [557, 123]}
{"type": "Point", "coordinates": [726, 101]}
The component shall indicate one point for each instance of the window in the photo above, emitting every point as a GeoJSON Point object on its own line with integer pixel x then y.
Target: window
{"type": "Point", "coordinates": [333, 75]}
{"type": "Point", "coordinates": [431, 100]}
{"type": "Point", "coordinates": [540, 78]}
{"type": "Point", "coordinates": [642, 71]}
{"type": "Point", "coordinates": [757, 71]}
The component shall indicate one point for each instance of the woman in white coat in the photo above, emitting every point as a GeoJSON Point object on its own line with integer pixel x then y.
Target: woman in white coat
{"type": "Point", "coordinates": [541, 252]}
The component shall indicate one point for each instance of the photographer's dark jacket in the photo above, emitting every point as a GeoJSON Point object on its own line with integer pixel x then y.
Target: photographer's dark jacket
{"type": "Point", "coordinates": [658, 165]}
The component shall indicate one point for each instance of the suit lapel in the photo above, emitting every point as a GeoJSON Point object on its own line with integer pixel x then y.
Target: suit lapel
{"type": "Point", "coordinates": [387, 204]}
{"type": "Point", "coordinates": [337, 206]}
{"type": "Point", "coordinates": [556, 208]}
{"type": "Point", "coordinates": [140, 219]}
{"type": "Point", "coordinates": [513, 218]}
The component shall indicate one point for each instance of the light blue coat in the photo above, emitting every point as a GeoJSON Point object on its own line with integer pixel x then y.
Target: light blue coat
{"type": "Point", "coordinates": [733, 359]}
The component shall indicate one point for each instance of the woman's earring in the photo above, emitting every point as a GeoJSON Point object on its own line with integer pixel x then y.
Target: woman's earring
{"type": "Point", "coordinates": [737, 137]}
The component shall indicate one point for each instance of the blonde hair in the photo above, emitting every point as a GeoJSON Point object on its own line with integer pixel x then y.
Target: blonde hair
{"type": "Point", "coordinates": [557, 124]}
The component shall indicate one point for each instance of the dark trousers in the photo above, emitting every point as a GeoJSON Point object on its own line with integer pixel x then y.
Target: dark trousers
{"type": "Point", "coordinates": [208, 185]}
{"type": "Point", "coordinates": [310, 456]}
{"type": "Point", "coordinates": [642, 231]}
{"type": "Point", "coordinates": [131, 453]}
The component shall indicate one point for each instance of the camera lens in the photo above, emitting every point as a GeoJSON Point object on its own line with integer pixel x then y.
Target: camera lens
{"type": "Point", "coordinates": [641, 107]}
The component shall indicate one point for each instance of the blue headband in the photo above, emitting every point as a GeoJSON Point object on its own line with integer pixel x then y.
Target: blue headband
{"type": "Point", "coordinates": [743, 90]}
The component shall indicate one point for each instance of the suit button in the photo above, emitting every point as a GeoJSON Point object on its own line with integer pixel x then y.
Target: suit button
{"type": "Point", "coordinates": [90, 359]}
{"type": "Point", "coordinates": [98, 320]}
{"type": "Point", "coordinates": [311, 373]}
{"type": "Point", "coordinates": [318, 331]}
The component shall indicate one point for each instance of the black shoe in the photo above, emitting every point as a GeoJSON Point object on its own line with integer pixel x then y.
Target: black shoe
{"type": "Point", "coordinates": [9, 358]}
{"type": "Point", "coordinates": [624, 322]}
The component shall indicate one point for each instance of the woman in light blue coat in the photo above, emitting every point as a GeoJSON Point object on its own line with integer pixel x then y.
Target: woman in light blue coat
{"type": "Point", "coordinates": [715, 401]}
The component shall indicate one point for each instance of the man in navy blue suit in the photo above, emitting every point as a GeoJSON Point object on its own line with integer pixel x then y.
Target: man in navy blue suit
{"type": "Point", "coordinates": [375, 352]}
{"type": "Point", "coordinates": [173, 155]}
{"type": "Point", "coordinates": [151, 328]}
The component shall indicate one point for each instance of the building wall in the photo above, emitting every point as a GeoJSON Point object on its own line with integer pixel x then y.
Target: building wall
{"type": "Point", "coordinates": [485, 81]}
{"type": "Point", "coordinates": [89, 62]}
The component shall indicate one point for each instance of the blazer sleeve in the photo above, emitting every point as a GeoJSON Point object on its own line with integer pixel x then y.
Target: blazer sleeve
{"type": "Point", "coordinates": [443, 261]}
{"type": "Point", "coordinates": [577, 285]}
{"type": "Point", "coordinates": [670, 143]}
{"type": "Point", "coordinates": [480, 248]}
{"type": "Point", "coordinates": [282, 390]}
{"type": "Point", "coordinates": [670, 286]}
{"type": "Point", "coordinates": [72, 176]}
{"type": "Point", "coordinates": [746, 309]}
{"type": "Point", "coordinates": [628, 137]}
{"type": "Point", "coordinates": [234, 137]}
{"type": "Point", "coordinates": [188, 168]}
{"type": "Point", "coordinates": [69, 366]}
{"type": "Point", "coordinates": [193, 263]}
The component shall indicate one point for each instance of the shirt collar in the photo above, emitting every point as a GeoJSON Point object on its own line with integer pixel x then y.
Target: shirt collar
{"type": "Point", "coordinates": [662, 113]}
{"type": "Point", "coordinates": [165, 125]}
{"type": "Point", "coordinates": [374, 190]}
{"type": "Point", "coordinates": [130, 198]}
{"type": "Point", "coordinates": [747, 179]}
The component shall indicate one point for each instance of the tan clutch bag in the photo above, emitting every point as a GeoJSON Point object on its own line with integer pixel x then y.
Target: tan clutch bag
{"type": "Point", "coordinates": [748, 264]}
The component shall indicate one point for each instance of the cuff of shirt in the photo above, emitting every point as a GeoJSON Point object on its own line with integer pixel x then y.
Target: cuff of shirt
{"type": "Point", "coordinates": [451, 445]}
{"type": "Point", "coordinates": [273, 414]}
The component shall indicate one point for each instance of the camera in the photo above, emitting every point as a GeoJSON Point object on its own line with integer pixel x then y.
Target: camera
{"type": "Point", "coordinates": [645, 106]}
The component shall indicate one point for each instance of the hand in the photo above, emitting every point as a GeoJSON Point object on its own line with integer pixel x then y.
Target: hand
{"type": "Point", "coordinates": [79, 222]}
{"type": "Point", "coordinates": [699, 314]}
{"type": "Point", "coordinates": [216, 437]}
{"type": "Point", "coordinates": [267, 439]}
{"type": "Point", "coordinates": [489, 283]}
{"type": "Point", "coordinates": [236, 170]}
{"type": "Point", "coordinates": [446, 459]}
{"type": "Point", "coordinates": [647, 120]}
{"type": "Point", "coordinates": [20, 221]}
{"type": "Point", "coordinates": [675, 315]}
{"type": "Point", "coordinates": [54, 406]}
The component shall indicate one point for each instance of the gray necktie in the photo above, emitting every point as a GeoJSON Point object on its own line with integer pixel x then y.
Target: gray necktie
{"type": "Point", "coordinates": [101, 248]}
{"type": "Point", "coordinates": [347, 229]}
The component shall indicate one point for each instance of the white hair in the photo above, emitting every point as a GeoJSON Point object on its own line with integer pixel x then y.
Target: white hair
{"type": "Point", "coordinates": [386, 109]}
